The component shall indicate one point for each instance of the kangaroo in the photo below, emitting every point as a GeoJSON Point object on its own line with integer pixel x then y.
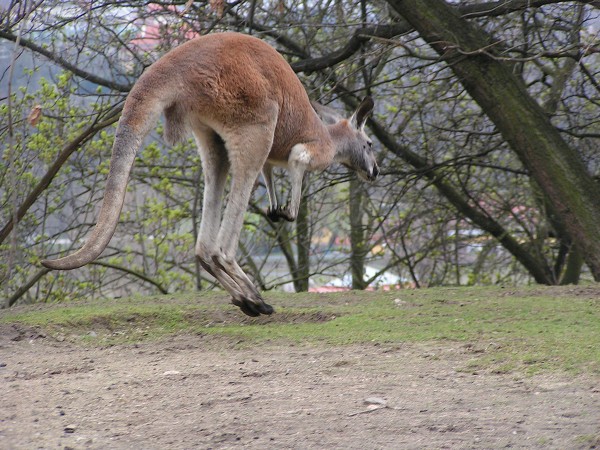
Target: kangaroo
{"type": "Point", "coordinates": [248, 112]}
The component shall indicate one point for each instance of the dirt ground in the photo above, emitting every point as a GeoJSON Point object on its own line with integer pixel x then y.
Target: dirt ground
{"type": "Point", "coordinates": [193, 391]}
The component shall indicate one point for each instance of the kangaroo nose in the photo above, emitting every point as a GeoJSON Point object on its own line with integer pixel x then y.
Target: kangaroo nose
{"type": "Point", "coordinates": [374, 172]}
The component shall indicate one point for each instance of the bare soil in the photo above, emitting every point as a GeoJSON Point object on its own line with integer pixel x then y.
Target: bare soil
{"type": "Point", "coordinates": [193, 391]}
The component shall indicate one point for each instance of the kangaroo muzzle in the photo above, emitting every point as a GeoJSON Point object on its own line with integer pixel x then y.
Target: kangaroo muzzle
{"type": "Point", "coordinates": [373, 173]}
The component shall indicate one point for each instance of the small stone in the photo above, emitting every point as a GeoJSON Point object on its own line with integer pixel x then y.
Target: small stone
{"type": "Point", "coordinates": [375, 401]}
{"type": "Point", "coordinates": [400, 303]}
{"type": "Point", "coordinates": [70, 429]}
{"type": "Point", "coordinates": [172, 372]}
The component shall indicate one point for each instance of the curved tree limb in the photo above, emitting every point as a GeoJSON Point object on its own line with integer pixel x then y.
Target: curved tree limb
{"type": "Point", "coordinates": [139, 275]}
{"type": "Point", "coordinates": [556, 167]}
{"type": "Point", "coordinates": [66, 152]}
{"type": "Point", "coordinates": [540, 271]}
{"type": "Point", "coordinates": [23, 289]}
{"type": "Point", "coordinates": [501, 7]}
{"type": "Point", "coordinates": [76, 70]}
{"type": "Point", "coordinates": [40, 273]}
{"type": "Point", "coordinates": [362, 35]}
{"type": "Point", "coordinates": [354, 44]}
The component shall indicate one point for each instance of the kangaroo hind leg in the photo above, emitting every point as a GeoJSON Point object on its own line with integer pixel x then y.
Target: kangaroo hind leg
{"type": "Point", "coordinates": [215, 168]}
{"type": "Point", "coordinates": [248, 148]}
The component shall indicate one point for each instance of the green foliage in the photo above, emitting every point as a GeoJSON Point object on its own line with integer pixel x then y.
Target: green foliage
{"type": "Point", "coordinates": [37, 146]}
{"type": "Point", "coordinates": [410, 227]}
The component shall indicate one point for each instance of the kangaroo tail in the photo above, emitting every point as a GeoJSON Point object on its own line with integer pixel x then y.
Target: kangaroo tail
{"type": "Point", "coordinates": [137, 120]}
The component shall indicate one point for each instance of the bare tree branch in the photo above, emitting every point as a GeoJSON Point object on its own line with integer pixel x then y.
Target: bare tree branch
{"type": "Point", "coordinates": [362, 35]}
{"type": "Point", "coordinates": [359, 37]}
{"type": "Point", "coordinates": [76, 70]}
{"type": "Point", "coordinates": [139, 275]}
{"type": "Point", "coordinates": [64, 155]}
{"type": "Point", "coordinates": [537, 267]}
{"type": "Point", "coordinates": [501, 7]}
{"type": "Point", "coordinates": [23, 289]}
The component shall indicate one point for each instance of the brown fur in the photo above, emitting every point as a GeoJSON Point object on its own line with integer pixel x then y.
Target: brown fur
{"type": "Point", "coordinates": [248, 111]}
{"type": "Point", "coordinates": [227, 80]}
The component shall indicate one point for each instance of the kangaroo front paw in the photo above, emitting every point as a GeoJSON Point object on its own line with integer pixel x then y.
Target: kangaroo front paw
{"type": "Point", "coordinates": [272, 215]}
{"type": "Point", "coordinates": [281, 212]}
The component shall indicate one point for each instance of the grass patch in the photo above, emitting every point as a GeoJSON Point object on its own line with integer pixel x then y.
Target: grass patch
{"type": "Point", "coordinates": [500, 330]}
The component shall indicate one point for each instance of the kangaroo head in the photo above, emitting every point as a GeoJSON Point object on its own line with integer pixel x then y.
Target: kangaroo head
{"type": "Point", "coordinates": [353, 146]}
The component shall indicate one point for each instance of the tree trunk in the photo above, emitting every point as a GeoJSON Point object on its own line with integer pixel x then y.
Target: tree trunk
{"type": "Point", "coordinates": [556, 167]}
{"type": "Point", "coordinates": [536, 266]}
{"type": "Point", "coordinates": [302, 274]}
{"type": "Point", "coordinates": [357, 234]}
{"type": "Point", "coordinates": [573, 268]}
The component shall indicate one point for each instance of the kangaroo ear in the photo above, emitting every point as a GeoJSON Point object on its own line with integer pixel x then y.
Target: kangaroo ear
{"type": "Point", "coordinates": [362, 112]}
{"type": "Point", "coordinates": [327, 115]}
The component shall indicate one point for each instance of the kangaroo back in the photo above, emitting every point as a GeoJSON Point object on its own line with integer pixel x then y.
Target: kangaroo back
{"type": "Point", "coordinates": [221, 82]}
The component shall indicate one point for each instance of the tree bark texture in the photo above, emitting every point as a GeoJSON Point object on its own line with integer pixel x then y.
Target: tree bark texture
{"type": "Point", "coordinates": [357, 234]}
{"type": "Point", "coordinates": [557, 168]}
{"type": "Point", "coordinates": [536, 266]}
{"type": "Point", "coordinates": [301, 278]}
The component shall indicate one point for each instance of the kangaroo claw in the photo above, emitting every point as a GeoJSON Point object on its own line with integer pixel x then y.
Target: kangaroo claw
{"type": "Point", "coordinates": [281, 212]}
{"type": "Point", "coordinates": [253, 309]}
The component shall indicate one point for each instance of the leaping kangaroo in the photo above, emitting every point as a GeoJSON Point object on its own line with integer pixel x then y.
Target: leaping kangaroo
{"type": "Point", "coordinates": [248, 112]}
